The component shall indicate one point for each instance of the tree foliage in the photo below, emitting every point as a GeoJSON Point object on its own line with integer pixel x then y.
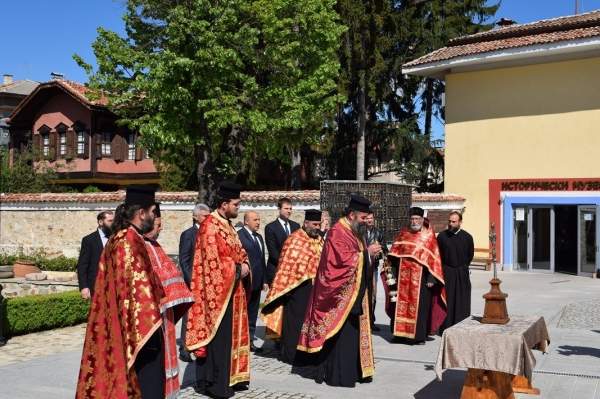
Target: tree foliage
{"type": "Point", "coordinates": [222, 82]}
{"type": "Point", "coordinates": [384, 104]}
{"type": "Point", "coordinates": [19, 177]}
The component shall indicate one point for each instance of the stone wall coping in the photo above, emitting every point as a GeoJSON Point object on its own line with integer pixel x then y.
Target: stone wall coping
{"type": "Point", "coordinates": [22, 280]}
{"type": "Point", "coordinates": [191, 197]}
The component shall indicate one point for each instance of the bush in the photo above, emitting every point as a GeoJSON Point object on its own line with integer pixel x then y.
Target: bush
{"type": "Point", "coordinates": [24, 315]}
{"type": "Point", "coordinates": [92, 189]}
{"type": "Point", "coordinates": [58, 264]}
{"type": "Point", "coordinates": [6, 259]}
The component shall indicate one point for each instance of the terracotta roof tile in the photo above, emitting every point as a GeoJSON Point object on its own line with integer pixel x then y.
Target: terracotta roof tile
{"type": "Point", "coordinates": [82, 92]}
{"type": "Point", "coordinates": [541, 32]}
{"type": "Point", "coordinates": [190, 196]}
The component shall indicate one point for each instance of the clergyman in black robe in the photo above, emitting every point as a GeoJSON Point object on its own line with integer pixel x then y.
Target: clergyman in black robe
{"type": "Point", "coordinates": [456, 250]}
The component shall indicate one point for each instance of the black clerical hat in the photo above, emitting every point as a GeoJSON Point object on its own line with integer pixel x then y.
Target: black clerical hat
{"type": "Point", "coordinates": [140, 195]}
{"type": "Point", "coordinates": [359, 203]}
{"type": "Point", "coordinates": [416, 211]}
{"type": "Point", "coordinates": [229, 190]}
{"type": "Point", "coordinates": [157, 210]}
{"type": "Point", "coordinates": [312, 215]}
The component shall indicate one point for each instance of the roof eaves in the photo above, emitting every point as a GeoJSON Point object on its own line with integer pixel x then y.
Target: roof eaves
{"type": "Point", "coordinates": [438, 68]}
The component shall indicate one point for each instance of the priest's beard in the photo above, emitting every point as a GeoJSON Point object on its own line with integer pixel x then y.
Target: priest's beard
{"type": "Point", "coordinates": [359, 228]}
{"type": "Point", "coordinates": [312, 233]}
{"type": "Point", "coordinates": [453, 229]}
{"type": "Point", "coordinates": [147, 224]}
{"type": "Point", "coordinates": [416, 227]}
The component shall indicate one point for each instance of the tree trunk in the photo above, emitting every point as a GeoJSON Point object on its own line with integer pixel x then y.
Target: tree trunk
{"type": "Point", "coordinates": [428, 107]}
{"type": "Point", "coordinates": [362, 123]}
{"type": "Point", "coordinates": [205, 174]}
{"type": "Point", "coordinates": [295, 182]}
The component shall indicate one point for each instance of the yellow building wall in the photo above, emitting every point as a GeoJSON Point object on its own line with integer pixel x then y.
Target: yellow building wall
{"type": "Point", "coordinates": [536, 121]}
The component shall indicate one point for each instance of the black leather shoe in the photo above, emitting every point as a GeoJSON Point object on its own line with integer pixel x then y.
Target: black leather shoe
{"type": "Point", "coordinates": [185, 357]}
{"type": "Point", "coordinates": [375, 328]}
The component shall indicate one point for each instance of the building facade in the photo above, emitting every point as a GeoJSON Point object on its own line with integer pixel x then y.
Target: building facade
{"type": "Point", "coordinates": [12, 92]}
{"type": "Point", "coordinates": [523, 139]}
{"type": "Point", "coordinates": [77, 135]}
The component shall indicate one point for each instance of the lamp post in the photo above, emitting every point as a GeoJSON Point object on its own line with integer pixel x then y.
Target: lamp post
{"type": "Point", "coordinates": [495, 301]}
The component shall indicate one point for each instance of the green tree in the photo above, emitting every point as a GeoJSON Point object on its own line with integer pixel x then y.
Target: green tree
{"type": "Point", "coordinates": [20, 177]}
{"type": "Point", "coordinates": [384, 105]}
{"type": "Point", "coordinates": [229, 81]}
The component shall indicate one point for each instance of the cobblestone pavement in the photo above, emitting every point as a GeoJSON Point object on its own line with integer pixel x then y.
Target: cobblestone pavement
{"type": "Point", "coordinates": [585, 315]}
{"type": "Point", "coordinates": [251, 394]}
{"type": "Point", "coordinates": [571, 369]}
{"type": "Point", "coordinates": [31, 346]}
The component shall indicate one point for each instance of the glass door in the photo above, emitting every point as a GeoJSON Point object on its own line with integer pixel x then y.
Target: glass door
{"type": "Point", "coordinates": [520, 238]}
{"type": "Point", "coordinates": [541, 226]}
{"type": "Point", "coordinates": [588, 244]}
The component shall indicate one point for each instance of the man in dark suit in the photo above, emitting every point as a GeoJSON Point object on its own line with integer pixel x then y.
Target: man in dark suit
{"type": "Point", "coordinates": [89, 256]}
{"type": "Point", "coordinates": [254, 245]}
{"type": "Point", "coordinates": [187, 241]}
{"type": "Point", "coordinates": [187, 244]}
{"type": "Point", "coordinates": [276, 233]}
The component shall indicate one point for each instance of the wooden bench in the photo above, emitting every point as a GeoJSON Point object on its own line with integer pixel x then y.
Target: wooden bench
{"type": "Point", "coordinates": [482, 259]}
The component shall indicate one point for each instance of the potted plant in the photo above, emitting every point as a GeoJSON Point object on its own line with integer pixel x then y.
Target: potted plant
{"type": "Point", "coordinates": [25, 265]}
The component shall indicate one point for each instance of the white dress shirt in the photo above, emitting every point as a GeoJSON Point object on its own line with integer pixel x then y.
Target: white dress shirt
{"type": "Point", "coordinates": [103, 237]}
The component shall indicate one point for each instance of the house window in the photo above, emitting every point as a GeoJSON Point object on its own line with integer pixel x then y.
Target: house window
{"type": "Point", "coordinates": [46, 144]}
{"type": "Point", "coordinates": [106, 138]}
{"type": "Point", "coordinates": [131, 146]}
{"type": "Point", "coordinates": [62, 144]}
{"type": "Point", "coordinates": [80, 142]}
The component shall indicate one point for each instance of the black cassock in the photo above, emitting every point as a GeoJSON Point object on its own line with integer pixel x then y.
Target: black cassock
{"type": "Point", "coordinates": [212, 371]}
{"type": "Point", "coordinates": [149, 366]}
{"type": "Point", "coordinates": [456, 251]}
{"type": "Point", "coordinates": [341, 353]}
{"type": "Point", "coordinates": [293, 317]}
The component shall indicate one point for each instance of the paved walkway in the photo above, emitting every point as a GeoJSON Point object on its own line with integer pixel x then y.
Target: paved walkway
{"type": "Point", "coordinates": [46, 364]}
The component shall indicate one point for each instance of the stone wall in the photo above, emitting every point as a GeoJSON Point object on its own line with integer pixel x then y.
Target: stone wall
{"type": "Point", "coordinates": [56, 223]}
{"type": "Point", "coordinates": [14, 287]}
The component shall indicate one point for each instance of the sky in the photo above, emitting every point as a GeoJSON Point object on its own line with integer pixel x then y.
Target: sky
{"type": "Point", "coordinates": [41, 36]}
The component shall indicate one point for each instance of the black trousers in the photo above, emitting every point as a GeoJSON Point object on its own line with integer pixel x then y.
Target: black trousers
{"type": "Point", "coordinates": [212, 371]}
{"type": "Point", "coordinates": [341, 353]}
{"type": "Point", "coordinates": [150, 367]}
{"type": "Point", "coordinates": [182, 335]}
{"type": "Point", "coordinates": [253, 305]}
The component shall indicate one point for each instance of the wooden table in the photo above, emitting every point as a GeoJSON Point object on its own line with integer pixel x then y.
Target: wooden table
{"type": "Point", "coordinates": [498, 357]}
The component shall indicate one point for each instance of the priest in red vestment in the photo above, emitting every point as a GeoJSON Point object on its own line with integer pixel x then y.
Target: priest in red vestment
{"type": "Point", "coordinates": [285, 306]}
{"type": "Point", "coordinates": [416, 302]}
{"type": "Point", "coordinates": [337, 322]}
{"type": "Point", "coordinates": [217, 328]}
{"type": "Point", "coordinates": [178, 298]}
{"type": "Point", "coordinates": [123, 352]}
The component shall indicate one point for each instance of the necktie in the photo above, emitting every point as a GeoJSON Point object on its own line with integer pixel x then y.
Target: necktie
{"type": "Point", "coordinates": [257, 241]}
{"type": "Point", "coordinates": [287, 229]}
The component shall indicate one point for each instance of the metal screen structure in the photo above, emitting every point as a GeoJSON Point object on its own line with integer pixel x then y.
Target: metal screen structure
{"type": "Point", "coordinates": [390, 202]}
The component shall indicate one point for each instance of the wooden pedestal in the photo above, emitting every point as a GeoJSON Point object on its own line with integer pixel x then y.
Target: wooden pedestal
{"type": "Point", "coordinates": [521, 384]}
{"type": "Point", "coordinates": [486, 384]}
{"type": "Point", "coordinates": [495, 305]}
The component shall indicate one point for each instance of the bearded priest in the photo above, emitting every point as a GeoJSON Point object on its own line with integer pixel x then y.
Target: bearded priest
{"type": "Point", "coordinates": [420, 306]}
{"type": "Point", "coordinates": [217, 327]}
{"type": "Point", "coordinates": [285, 305]}
{"type": "Point", "coordinates": [124, 349]}
{"type": "Point", "coordinates": [336, 324]}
